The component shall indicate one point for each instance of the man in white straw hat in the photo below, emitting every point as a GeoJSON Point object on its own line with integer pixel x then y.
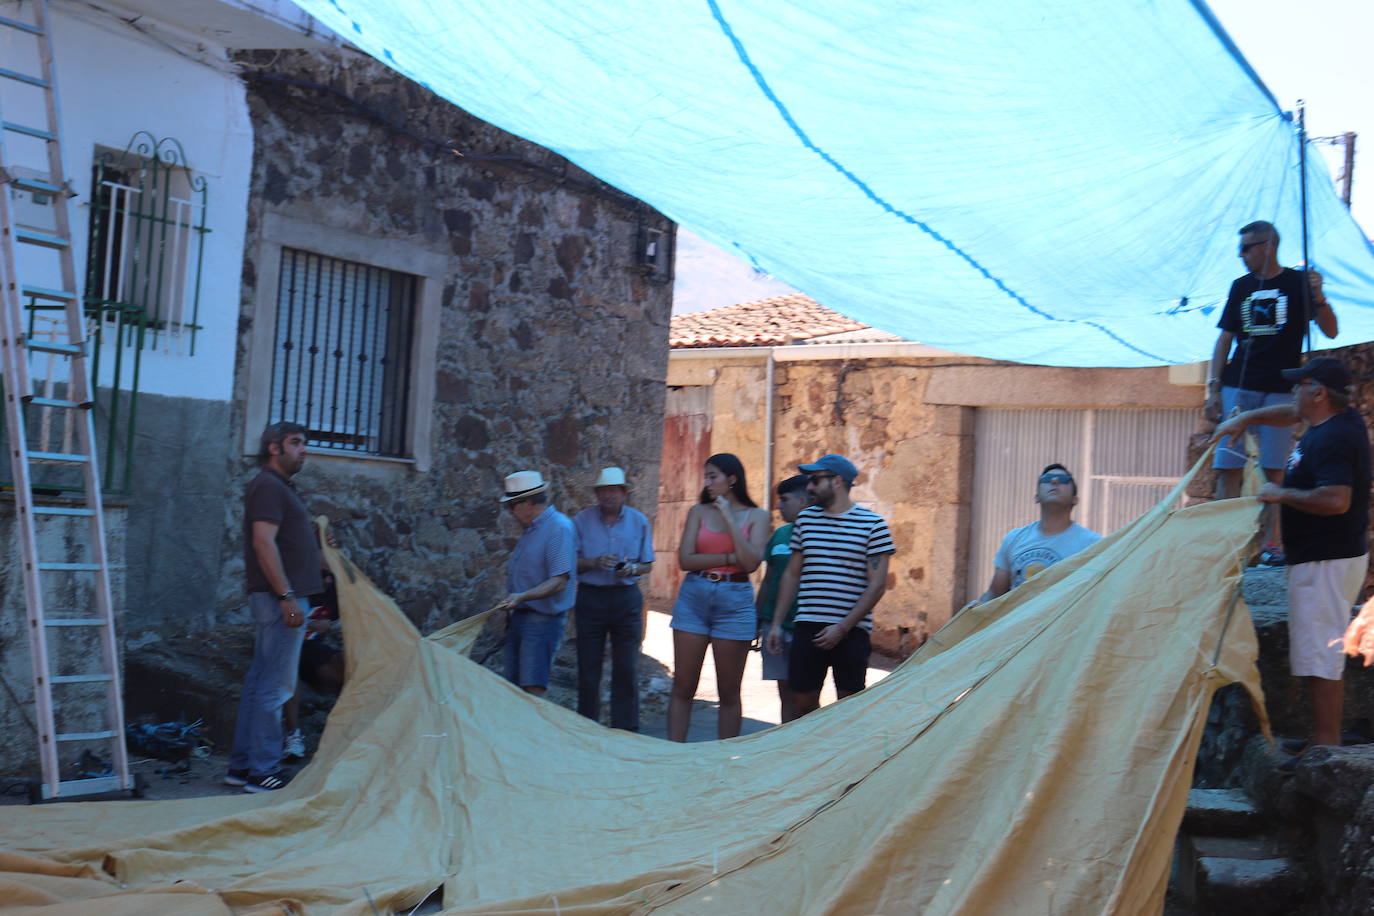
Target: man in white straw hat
{"type": "Point", "coordinates": [615, 548]}
{"type": "Point", "coordinates": [539, 576]}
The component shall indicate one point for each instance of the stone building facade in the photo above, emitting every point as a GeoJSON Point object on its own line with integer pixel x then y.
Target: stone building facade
{"type": "Point", "coordinates": [547, 334]}
{"type": "Point", "coordinates": [948, 446]}
{"type": "Point", "coordinates": [538, 340]}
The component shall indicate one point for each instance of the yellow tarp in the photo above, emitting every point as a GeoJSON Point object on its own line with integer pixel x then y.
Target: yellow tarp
{"type": "Point", "coordinates": [1034, 757]}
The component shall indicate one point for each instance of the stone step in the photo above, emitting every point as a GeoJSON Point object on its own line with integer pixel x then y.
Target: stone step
{"type": "Point", "coordinates": [1222, 813]}
{"type": "Point", "coordinates": [1249, 886]}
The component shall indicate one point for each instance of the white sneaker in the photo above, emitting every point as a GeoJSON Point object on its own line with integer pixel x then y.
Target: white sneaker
{"type": "Point", "coordinates": [294, 745]}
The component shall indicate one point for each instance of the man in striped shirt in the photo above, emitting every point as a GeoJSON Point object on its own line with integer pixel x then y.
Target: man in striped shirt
{"type": "Point", "coordinates": [837, 573]}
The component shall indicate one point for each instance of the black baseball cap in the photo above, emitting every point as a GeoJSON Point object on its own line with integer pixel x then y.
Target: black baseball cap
{"type": "Point", "coordinates": [1328, 370]}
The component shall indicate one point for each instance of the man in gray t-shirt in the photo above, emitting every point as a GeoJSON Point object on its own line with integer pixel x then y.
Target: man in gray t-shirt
{"type": "Point", "coordinates": [282, 568]}
{"type": "Point", "coordinates": [1027, 550]}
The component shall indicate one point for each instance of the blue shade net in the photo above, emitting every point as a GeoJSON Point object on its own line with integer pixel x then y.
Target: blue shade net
{"type": "Point", "coordinates": [1046, 183]}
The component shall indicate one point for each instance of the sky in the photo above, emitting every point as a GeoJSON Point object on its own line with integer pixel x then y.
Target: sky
{"type": "Point", "coordinates": [1313, 51]}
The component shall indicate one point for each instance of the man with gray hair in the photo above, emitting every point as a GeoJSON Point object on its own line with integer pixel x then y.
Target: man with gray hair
{"type": "Point", "coordinates": [1324, 503]}
{"type": "Point", "coordinates": [539, 577]}
{"type": "Point", "coordinates": [615, 549]}
{"type": "Point", "coordinates": [282, 568]}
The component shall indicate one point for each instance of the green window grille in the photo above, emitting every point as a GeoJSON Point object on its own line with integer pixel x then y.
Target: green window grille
{"type": "Point", "coordinates": [146, 243]}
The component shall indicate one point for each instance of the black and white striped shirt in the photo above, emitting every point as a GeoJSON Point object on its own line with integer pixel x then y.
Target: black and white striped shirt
{"type": "Point", "coordinates": [835, 551]}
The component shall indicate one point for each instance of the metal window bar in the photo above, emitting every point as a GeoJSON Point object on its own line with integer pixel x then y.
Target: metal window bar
{"type": "Point", "coordinates": [147, 245]}
{"type": "Point", "coordinates": [144, 260]}
{"type": "Point", "coordinates": [341, 361]}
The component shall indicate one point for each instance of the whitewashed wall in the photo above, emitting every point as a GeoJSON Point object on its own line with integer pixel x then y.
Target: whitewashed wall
{"type": "Point", "coordinates": [115, 79]}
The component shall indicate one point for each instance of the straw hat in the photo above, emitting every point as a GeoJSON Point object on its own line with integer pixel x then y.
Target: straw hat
{"type": "Point", "coordinates": [522, 484]}
{"type": "Point", "coordinates": [610, 477]}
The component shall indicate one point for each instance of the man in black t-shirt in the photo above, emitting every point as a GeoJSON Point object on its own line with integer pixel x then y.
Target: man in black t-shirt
{"type": "Point", "coordinates": [1264, 318]}
{"type": "Point", "coordinates": [1324, 500]}
{"type": "Point", "coordinates": [282, 567]}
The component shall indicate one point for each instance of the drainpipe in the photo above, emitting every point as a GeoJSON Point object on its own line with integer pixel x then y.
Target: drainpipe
{"type": "Point", "coordinates": [768, 434]}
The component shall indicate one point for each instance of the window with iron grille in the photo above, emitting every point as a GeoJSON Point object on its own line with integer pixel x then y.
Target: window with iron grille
{"type": "Point", "coordinates": [341, 360]}
{"type": "Point", "coordinates": [146, 246]}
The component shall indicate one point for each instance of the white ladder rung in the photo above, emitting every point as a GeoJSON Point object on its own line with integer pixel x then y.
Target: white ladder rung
{"type": "Point", "coordinates": [25, 78]}
{"type": "Point", "coordinates": [69, 567]}
{"type": "Point", "coordinates": [74, 622]}
{"type": "Point", "coordinates": [85, 736]}
{"type": "Point", "coordinates": [55, 402]}
{"type": "Point", "coordinates": [43, 292]}
{"type": "Point", "coordinates": [41, 239]}
{"type": "Point", "coordinates": [61, 349]}
{"type": "Point", "coordinates": [62, 510]}
{"type": "Point", "coordinates": [20, 25]}
{"type": "Point", "coordinates": [81, 679]}
{"type": "Point", "coordinates": [33, 184]}
{"type": "Point", "coordinates": [58, 457]}
{"type": "Point", "coordinates": [93, 785]}
{"type": "Point", "coordinates": [27, 131]}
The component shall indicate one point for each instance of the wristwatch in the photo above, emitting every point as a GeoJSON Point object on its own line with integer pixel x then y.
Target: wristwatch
{"type": "Point", "coordinates": [286, 595]}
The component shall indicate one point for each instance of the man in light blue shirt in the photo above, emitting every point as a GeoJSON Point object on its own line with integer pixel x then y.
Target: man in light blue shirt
{"type": "Point", "coordinates": [1032, 548]}
{"type": "Point", "coordinates": [615, 547]}
{"type": "Point", "coordinates": [539, 577]}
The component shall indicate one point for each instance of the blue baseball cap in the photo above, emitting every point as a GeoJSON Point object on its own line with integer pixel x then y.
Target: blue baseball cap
{"type": "Point", "coordinates": [835, 464]}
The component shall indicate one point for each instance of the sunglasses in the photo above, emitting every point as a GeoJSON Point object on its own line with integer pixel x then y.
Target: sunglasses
{"type": "Point", "coordinates": [1245, 248]}
{"type": "Point", "coordinates": [510, 506]}
{"type": "Point", "coordinates": [1055, 478]}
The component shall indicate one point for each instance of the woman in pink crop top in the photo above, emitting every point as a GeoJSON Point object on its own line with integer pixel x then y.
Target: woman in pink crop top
{"type": "Point", "coordinates": [722, 543]}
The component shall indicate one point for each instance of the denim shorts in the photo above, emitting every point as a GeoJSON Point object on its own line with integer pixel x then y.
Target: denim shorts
{"type": "Point", "coordinates": [1275, 442]}
{"type": "Point", "coordinates": [721, 610]}
{"type": "Point", "coordinates": [532, 640]}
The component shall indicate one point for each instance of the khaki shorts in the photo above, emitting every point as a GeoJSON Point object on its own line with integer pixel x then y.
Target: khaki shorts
{"type": "Point", "coordinates": [1321, 596]}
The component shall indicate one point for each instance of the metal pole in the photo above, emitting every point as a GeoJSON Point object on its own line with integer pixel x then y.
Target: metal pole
{"type": "Point", "coordinates": [768, 383]}
{"type": "Point", "coordinates": [1348, 172]}
{"type": "Point", "coordinates": [1306, 263]}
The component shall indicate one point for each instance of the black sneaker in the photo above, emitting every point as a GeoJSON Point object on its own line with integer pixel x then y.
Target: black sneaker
{"type": "Point", "coordinates": [269, 782]}
{"type": "Point", "coordinates": [236, 778]}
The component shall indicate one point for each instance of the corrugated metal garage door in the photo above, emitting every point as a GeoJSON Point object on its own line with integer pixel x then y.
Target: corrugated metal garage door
{"type": "Point", "coordinates": [1123, 460]}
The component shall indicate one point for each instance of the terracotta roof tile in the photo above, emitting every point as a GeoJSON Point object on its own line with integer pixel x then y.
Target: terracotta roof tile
{"type": "Point", "coordinates": [773, 322]}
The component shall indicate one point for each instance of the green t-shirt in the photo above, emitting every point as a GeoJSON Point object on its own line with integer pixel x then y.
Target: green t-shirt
{"type": "Point", "coordinates": [777, 555]}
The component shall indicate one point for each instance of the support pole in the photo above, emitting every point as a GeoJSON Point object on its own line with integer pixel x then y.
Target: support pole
{"type": "Point", "coordinates": [1306, 262]}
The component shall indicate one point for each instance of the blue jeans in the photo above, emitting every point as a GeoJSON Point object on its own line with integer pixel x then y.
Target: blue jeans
{"type": "Point", "coordinates": [270, 681]}
{"type": "Point", "coordinates": [617, 612]}
{"type": "Point", "coordinates": [532, 640]}
{"type": "Point", "coordinates": [1275, 442]}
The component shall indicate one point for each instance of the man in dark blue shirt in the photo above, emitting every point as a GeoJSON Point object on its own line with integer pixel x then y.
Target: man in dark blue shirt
{"type": "Point", "coordinates": [1324, 506]}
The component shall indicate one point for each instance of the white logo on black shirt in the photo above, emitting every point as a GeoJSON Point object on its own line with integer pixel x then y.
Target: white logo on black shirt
{"type": "Point", "coordinates": [1264, 312]}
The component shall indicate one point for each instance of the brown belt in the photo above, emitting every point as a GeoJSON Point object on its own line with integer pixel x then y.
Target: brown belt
{"type": "Point", "coordinates": [720, 577]}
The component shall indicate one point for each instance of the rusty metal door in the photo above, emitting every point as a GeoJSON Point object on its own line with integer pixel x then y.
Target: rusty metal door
{"type": "Point", "coordinates": [686, 446]}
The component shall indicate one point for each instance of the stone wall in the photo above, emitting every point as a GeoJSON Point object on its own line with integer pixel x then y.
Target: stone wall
{"type": "Point", "coordinates": [550, 342]}
{"type": "Point", "coordinates": [552, 339]}
{"type": "Point", "coordinates": [916, 461]}
{"type": "Point", "coordinates": [908, 423]}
